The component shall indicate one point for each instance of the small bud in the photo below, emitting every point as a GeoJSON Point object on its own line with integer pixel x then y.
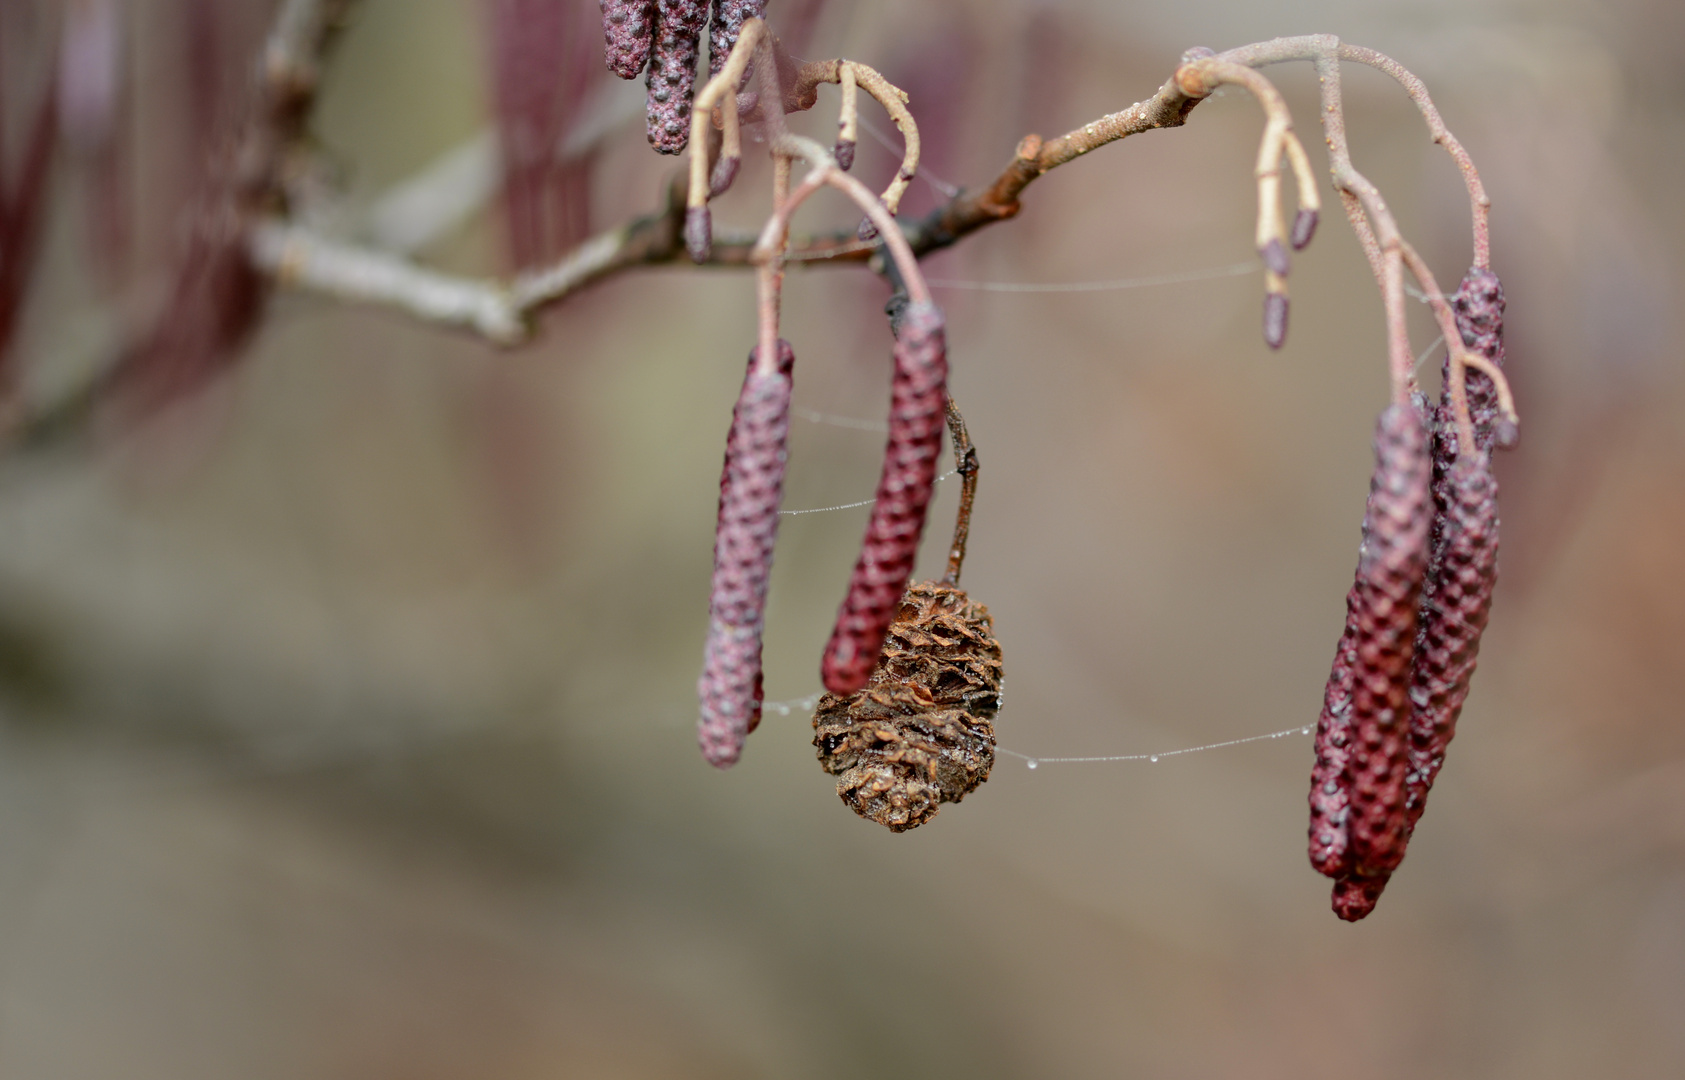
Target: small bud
{"type": "Point", "coordinates": [725, 171]}
{"type": "Point", "coordinates": [1198, 52]}
{"type": "Point", "coordinates": [1275, 257]}
{"type": "Point", "coordinates": [844, 153]}
{"type": "Point", "coordinates": [1505, 433]}
{"type": "Point", "coordinates": [1275, 319]}
{"type": "Point", "coordinates": [699, 233]}
{"type": "Point", "coordinates": [1304, 227]}
{"type": "Point", "coordinates": [867, 230]}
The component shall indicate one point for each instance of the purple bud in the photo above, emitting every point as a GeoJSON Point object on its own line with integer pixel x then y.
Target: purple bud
{"type": "Point", "coordinates": [1275, 257]}
{"type": "Point", "coordinates": [725, 171]}
{"type": "Point", "coordinates": [1304, 227]}
{"type": "Point", "coordinates": [699, 233]}
{"type": "Point", "coordinates": [1275, 319]}
{"type": "Point", "coordinates": [844, 153]}
{"type": "Point", "coordinates": [867, 230]}
{"type": "Point", "coordinates": [1505, 433]}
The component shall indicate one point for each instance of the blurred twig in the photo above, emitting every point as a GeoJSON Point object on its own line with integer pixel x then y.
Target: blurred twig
{"type": "Point", "coordinates": [503, 311]}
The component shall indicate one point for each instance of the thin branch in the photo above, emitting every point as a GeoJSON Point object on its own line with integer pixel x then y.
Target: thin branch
{"type": "Point", "coordinates": [966, 464]}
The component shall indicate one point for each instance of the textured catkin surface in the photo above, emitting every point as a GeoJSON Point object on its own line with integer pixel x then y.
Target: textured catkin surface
{"type": "Point", "coordinates": [725, 25]}
{"type": "Point", "coordinates": [920, 733]}
{"type": "Point", "coordinates": [751, 486]}
{"type": "Point", "coordinates": [1456, 602]}
{"type": "Point", "coordinates": [672, 72]}
{"type": "Point", "coordinates": [916, 420]}
{"type": "Point", "coordinates": [1391, 568]}
{"type": "Point", "coordinates": [1330, 792]}
{"type": "Point", "coordinates": [628, 32]}
{"type": "Point", "coordinates": [1479, 307]}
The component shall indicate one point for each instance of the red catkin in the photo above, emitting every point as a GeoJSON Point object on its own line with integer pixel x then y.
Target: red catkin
{"type": "Point", "coordinates": [917, 415]}
{"type": "Point", "coordinates": [1330, 794]}
{"type": "Point", "coordinates": [628, 32]}
{"type": "Point", "coordinates": [1391, 568]}
{"type": "Point", "coordinates": [1377, 647]}
{"type": "Point", "coordinates": [726, 24]}
{"type": "Point", "coordinates": [751, 486]}
{"type": "Point", "coordinates": [1456, 602]}
{"type": "Point", "coordinates": [672, 72]}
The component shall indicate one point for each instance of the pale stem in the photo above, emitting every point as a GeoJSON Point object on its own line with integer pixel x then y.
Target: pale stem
{"type": "Point", "coordinates": [722, 88]}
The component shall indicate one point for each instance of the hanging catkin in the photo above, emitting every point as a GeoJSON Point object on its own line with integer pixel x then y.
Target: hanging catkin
{"type": "Point", "coordinates": [1377, 647]}
{"type": "Point", "coordinates": [917, 403]}
{"type": "Point", "coordinates": [1455, 606]}
{"type": "Point", "coordinates": [628, 32]}
{"type": "Point", "coordinates": [725, 25]}
{"type": "Point", "coordinates": [1479, 307]}
{"type": "Point", "coordinates": [751, 486]}
{"type": "Point", "coordinates": [672, 72]}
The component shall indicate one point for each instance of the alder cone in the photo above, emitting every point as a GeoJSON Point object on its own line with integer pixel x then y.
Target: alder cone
{"type": "Point", "coordinates": [920, 733]}
{"type": "Point", "coordinates": [917, 417]}
{"type": "Point", "coordinates": [1383, 607]}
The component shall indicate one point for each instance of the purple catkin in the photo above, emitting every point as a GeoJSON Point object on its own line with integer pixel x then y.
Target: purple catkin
{"type": "Point", "coordinates": [727, 23]}
{"type": "Point", "coordinates": [1390, 571]}
{"type": "Point", "coordinates": [1329, 852]}
{"type": "Point", "coordinates": [628, 32]}
{"type": "Point", "coordinates": [672, 72]}
{"type": "Point", "coordinates": [917, 416]}
{"type": "Point", "coordinates": [1455, 604]}
{"type": "Point", "coordinates": [751, 485]}
{"type": "Point", "coordinates": [1479, 307]}
{"type": "Point", "coordinates": [1452, 612]}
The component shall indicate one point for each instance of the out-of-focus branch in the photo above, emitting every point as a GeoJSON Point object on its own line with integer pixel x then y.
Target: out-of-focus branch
{"type": "Point", "coordinates": [503, 311]}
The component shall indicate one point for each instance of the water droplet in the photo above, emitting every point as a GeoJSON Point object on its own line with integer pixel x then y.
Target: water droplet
{"type": "Point", "coordinates": [1032, 763]}
{"type": "Point", "coordinates": [1304, 731]}
{"type": "Point", "coordinates": [1153, 759]}
{"type": "Point", "coordinates": [783, 710]}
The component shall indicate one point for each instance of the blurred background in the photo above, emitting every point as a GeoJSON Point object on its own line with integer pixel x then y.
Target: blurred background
{"type": "Point", "coordinates": [348, 699]}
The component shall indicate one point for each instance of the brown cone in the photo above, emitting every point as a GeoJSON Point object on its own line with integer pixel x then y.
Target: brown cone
{"type": "Point", "coordinates": [919, 734]}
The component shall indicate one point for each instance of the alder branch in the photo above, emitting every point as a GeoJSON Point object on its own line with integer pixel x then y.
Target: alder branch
{"type": "Point", "coordinates": [503, 311]}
